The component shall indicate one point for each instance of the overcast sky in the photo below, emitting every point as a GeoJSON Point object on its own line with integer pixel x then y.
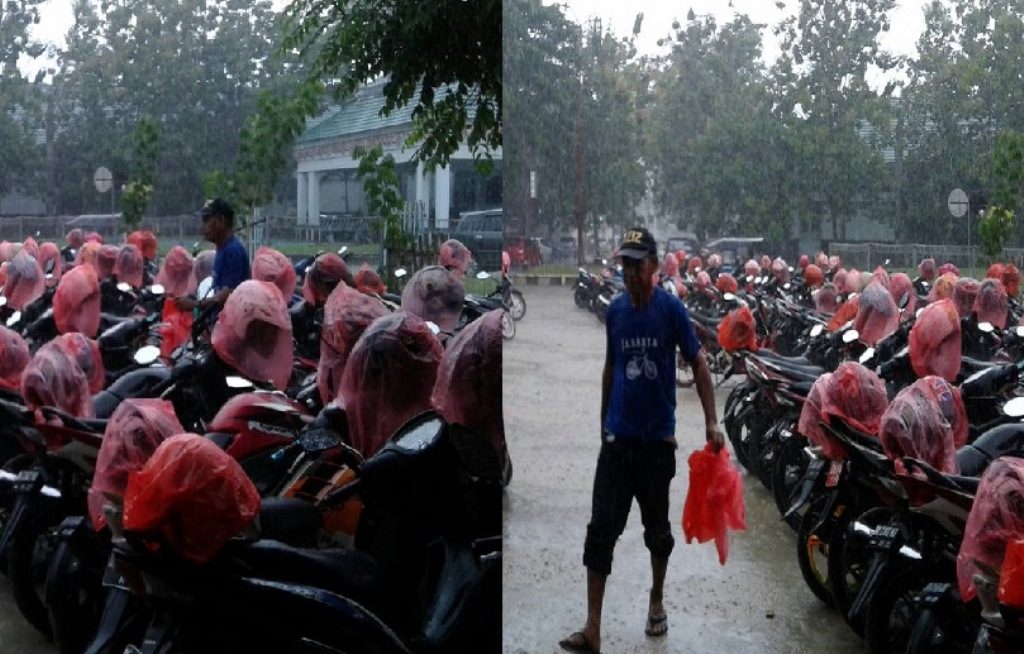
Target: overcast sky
{"type": "Point", "coordinates": [907, 20]}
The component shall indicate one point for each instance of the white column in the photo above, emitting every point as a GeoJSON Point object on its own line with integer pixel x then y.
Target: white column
{"type": "Point", "coordinates": [313, 202]}
{"type": "Point", "coordinates": [442, 196]}
{"type": "Point", "coordinates": [422, 195]}
{"type": "Point", "coordinates": [301, 196]}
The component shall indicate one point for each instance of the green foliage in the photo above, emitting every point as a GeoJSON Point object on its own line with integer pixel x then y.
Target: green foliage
{"type": "Point", "coordinates": [145, 143]}
{"type": "Point", "coordinates": [1008, 169]}
{"type": "Point", "coordinates": [995, 228]}
{"type": "Point", "coordinates": [379, 175]}
{"type": "Point", "coordinates": [444, 56]}
{"type": "Point", "coordinates": [135, 199]}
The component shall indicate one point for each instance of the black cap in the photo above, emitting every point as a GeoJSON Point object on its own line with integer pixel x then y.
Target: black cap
{"type": "Point", "coordinates": [215, 207]}
{"type": "Point", "coordinates": [637, 243]}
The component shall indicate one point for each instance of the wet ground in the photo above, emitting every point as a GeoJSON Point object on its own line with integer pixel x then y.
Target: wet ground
{"type": "Point", "coordinates": [757, 602]}
{"type": "Point", "coordinates": [16, 636]}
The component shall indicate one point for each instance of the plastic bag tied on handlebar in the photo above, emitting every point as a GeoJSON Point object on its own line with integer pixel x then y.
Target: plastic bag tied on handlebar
{"type": "Point", "coordinates": [926, 421]}
{"type": "Point", "coordinates": [253, 333]}
{"type": "Point", "coordinates": [77, 302]}
{"type": "Point", "coordinates": [852, 394]}
{"type": "Point", "coordinates": [176, 273]}
{"type": "Point", "coordinates": [347, 314]}
{"type": "Point", "coordinates": [738, 331]}
{"type": "Point", "coordinates": [935, 342]}
{"type": "Point", "coordinates": [269, 265]}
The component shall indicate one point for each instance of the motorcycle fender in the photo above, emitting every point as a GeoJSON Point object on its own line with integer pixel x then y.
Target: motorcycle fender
{"type": "Point", "coordinates": [461, 575]}
{"type": "Point", "coordinates": [813, 476]}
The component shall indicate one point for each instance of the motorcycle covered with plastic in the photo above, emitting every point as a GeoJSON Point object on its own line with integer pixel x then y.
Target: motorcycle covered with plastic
{"type": "Point", "coordinates": [935, 342]}
{"type": "Point", "coordinates": [77, 302]}
{"type": "Point", "coordinates": [176, 273]}
{"type": "Point", "coordinates": [54, 378]}
{"type": "Point", "coordinates": [326, 272]}
{"type": "Point", "coordinates": [877, 314]}
{"type": "Point", "coordinates": [253, 333]}
{"type": "Point", "coordinates": [347, 314]}
{"type": "Point", "coordinates": [14, 356]}
{"type": "Point", "coordinates": [927, 421]}
{"type": "Point", "coordinates": [129, 266]}
{"type": "Point", "coordinates": [738, 331]}
{"type": "Point", "coordinates": [269, 265]}
{"type": "Point", "coordinates": [991, 304]}
{"type": "Point", "coordinates": [853, 394]}
{"type": "Point", "coordinates": [455, 256]}
{"type": "Point", "coordinates": [436, 295]}
{"type": "Point", "coordinates": [25, 280]}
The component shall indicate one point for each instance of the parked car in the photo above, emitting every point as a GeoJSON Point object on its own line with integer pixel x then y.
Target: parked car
{"type": "Point", "coordinates": [685, 242]}
{"type": "Point", "coordinates": [565, 248]}
{"type": "Point", "coordinates": [481, 232]}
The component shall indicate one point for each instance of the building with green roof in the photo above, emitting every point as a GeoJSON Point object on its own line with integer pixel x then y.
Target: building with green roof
{"type": "Point", "coordinates": [329, 190]}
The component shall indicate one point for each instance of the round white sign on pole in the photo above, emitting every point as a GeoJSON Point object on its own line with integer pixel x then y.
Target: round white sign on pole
{"type": "Point", "coordinates": [103, 179]}
{"type": "Point", "coordinates": [958, 203]}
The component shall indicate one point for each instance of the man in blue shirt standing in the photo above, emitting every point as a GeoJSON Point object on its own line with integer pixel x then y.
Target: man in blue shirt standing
{"type": "Point", "coordinates": [644, 326]}
{"type": "Point", "coordinates": [230, 264]}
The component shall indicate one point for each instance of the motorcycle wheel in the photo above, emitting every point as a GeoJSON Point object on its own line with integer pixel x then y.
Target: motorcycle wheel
{"type": "Point", "coordinates": [734, 426]}
{"type": "Point", "coordinates": [14, 466]}
{"type": "Point", "coordinates": [580, 298]}
{"type": "Point", "coordinates": [517, 305]}
{"type": "Point", "coordinates": [849, 560]}
{"type": "Point", "coordinates": [75, 594]}
{"type": "Point", "coordinates": [767, 453]}
{"type": "Point", "coordinates": [788, 470]}
{"type": "Point", "coordinates": [31, 547]}
{"type": "Point", "coordinates": [600, 309]}
{"type": "Point", "coordinates": [928, 636]}
{"type": "Point", "coordinates": [812, 552]}
{"type": "Point", "coordinates": [508, 325]}
{"type": "Point", "coordinates": [893, 612]}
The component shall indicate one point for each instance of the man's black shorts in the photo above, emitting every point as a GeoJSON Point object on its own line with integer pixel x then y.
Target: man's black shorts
{"type": "Point", "coordinates": [628, 469]}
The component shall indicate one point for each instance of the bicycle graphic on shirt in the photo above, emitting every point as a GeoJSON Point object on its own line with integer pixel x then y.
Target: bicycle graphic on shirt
{"type": "Point", "coordinates": [641, 365]}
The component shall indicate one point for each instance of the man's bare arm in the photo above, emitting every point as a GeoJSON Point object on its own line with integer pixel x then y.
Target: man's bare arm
{"type": "Point", "coordinates": [706, 393]}
{"type": "Point", "coordinates": [606, 389]}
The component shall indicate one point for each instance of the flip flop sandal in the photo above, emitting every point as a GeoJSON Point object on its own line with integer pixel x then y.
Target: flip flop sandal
{"type": "Point", "coordinates": [579, 643]}
{"type": "Point", "coordinates": [656, 625]}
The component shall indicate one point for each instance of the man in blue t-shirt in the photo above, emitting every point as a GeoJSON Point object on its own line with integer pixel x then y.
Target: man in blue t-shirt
{"type": "Point", "coordinates": [644, 326]}
{"type": "Point", "coordinates": [230, 263]}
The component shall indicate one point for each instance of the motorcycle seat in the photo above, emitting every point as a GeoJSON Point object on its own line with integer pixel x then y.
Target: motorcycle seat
{"type": "Point", "coordinates": [289, 520]}
{"type": "Point", "coordinates": [797, 362]}
{"type": "Point", "coordinates": [109, 319]}
{"type": "Point", "coordinates": [969, 366]}
{"type": "Point", "coordinates": [796, 367]}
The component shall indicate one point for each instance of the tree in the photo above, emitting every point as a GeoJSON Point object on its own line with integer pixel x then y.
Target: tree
{"type": "Point", "coordinates": [138, 192]}
{"type": "Point", "coordinates": [19, 154]}
{"type": "Point", "coordinates": [446, 55]}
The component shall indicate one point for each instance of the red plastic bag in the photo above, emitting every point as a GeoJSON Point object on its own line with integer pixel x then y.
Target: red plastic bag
{"type": "Point", "coordinates": [76, 302]}
{"type": "Point", "coordinates": [455, 256]}
{"type": "Point", "coordinates": [193, 494]}
{"type": "Point", "coordinates": [826, 300]}
{"type": "Point", "coordinates": [846, 312]}
{"type": "Point", "coordinates": [900, 284]}
{"type": "Point", "coordinates": [991, 303]}
{"type": "Point", "coordinates": [176, 273]}
{"type": "Point", "coordinates": [965, 292]}
{"type": "Point", "coordinates": [347, 314]}
{"type": "Point", "coordinates": [935, 343]}
{"type": "Point", "coordinates": [253, 333]}
{"type": "Point", "coordinates": [714, 501]}
{"type": "Point", "coordinates": [671, 265]}
{"type": "Point", "coordinates": [942, 289]}
{"type": "Point", "coordinates": [53, 378]}
{"type": "Point", "coordinates": [25, 280]}
{"type": "Point", "coordinates": [368, 281]}
{"type": "Point", "coordinates": [877, 314]}
{"type": "Point", "coordinates": [1011, 576]}
{"type": "Point", "coordinates": [176, 327]}
{"type": "Point", "coordinates": [737, 331]}
{"type": "Point", "coordinates": [927, 421]}
{"type": "Point", "coordinates": [129, 265]}
{"type": "Point", "coordinates": [853, 394]}
{"type": "Point", "coordinates": [14, 356]}
{"type": "Point", "coordinates": [726, 283]}
{"type": "Point", "coordinates": [813, 276]}
{"type": "Point", "coordinates": [436, 295]}
{"type": "Point", "coordinates": [86, 353]}
{"type": "Point", "coordinates": [133, 433]}
{"type": "Point", "coordinates": [996, 518]}
{"type": "Point", "coordinates": [146, 242]}
{"type": "Point", "coordinates": [269, 265]}
{"type": "Point", "coordinates": [1011, 280]}
{"type": "Point", "coordinates": [839, 279]}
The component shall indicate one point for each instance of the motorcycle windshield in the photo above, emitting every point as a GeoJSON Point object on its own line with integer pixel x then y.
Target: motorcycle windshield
{"type": "Point", "coordinates": [51, 262]}
{"type": "Point", "coordinates": [269, 265]}
{"type": "Point", "coordinates": [76, 302]}
{"type": "Point", "coordinates": [347, 314]}
{"type": "Point", "coordinates": [926, 421]}
{"type": "Point", "coordinates": [176, 273]}
{"type": "Point", "coordinates": [997, 516]}
{"type": "Point", "coordinates": [14, 356]}
{"type": "Point", "coordinates": [991, 304]}
{"type": "Point", "coordinates": [877, 315]}
{"type": "Point", "coordinates": [25, 280]}
{"type": "Point", "coordinates": [455, 256]}
{"type": "Point", "coordinates": [935, 341]}
{"type": "Point", "coordinates": [253, 333]}
{"type": "Point", "coordinates": [435, 295]}
{"type": "Point", "coordinates": [135, 430]}
{"type": "Point", "coordinates": [129, 266]}
{"type": "Point", "coordinates": [53, 378]}
{"type": "Point", "coordinates": [468, 387]}
{"type": "Point", "coordinates": [193, 495]}
{"type": "Point", "coordinates": [388, 378]}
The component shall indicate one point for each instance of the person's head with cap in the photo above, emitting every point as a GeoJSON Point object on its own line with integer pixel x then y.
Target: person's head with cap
{"type": "Point", "coordinates": [218, 220]}
{"type": "Point", "coordinates": [639, 255]}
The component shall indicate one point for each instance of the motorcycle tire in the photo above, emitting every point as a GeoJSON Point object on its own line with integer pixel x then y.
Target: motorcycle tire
{"type": "Point", "coordinates": [600, 310]}
{"type": "Point", "coordinates": [517, 305]}
{"type": "Point", "coordinates": [581, 299]}
{"type": "Point", "coordinates": [75, 594]}
{"type": "Point", "coordinates": [31, 547]}
{"type": "Point", "coordinates": [508, 326]}
{"type": "Point", "coordinates": [14, 466]}
{"type": "Point", "coordinates": [928, 636]}
{"type": "Point", "coordinates": [893, 612]}
{"type": "Point", "coordinates": [787, 471]}
{"type": "Point", "coordinates": [767, 452]}
{"type": "Point", "coordinates": [848, 562]}
{"type": "Point", "coordinates": [735, 426]}
{"type": "Point", "coordinates": [809, 546]}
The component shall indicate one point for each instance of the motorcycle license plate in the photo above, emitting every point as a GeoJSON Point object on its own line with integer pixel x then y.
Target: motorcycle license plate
{"type": "Point", "coordinates": [835, 468]}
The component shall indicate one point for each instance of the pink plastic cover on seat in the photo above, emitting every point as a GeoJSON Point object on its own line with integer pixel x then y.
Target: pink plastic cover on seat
{"type": "Point", "coordinates": [323, 276]}
{"type": "Point", "coordinates": [129, 266]}
{"type": "Point", "coordinates": [877, 315]}
{"type": "Point", "coordinates": [927, 421]}
{"type": "Point", "coordinates": [53, 378]}
{"type": "Point", "coordinates": [468, 387]}
{"type": "Point", "coordinates": [671, 265]}
{"type": "Point", "coordinates": [88, 255]}
{"type": "Point", "coordinates": [389, 378]}
{"type": "Point", "coordinates": [51, 262]}
{"type": "Point", "coordinates": [965, 292]}
{"type": "Point", "coordinates": [996, 517]}
{"type": "Point", "coordinates": [368, 281]}
{"type": "Point", "coordinates": [25, 281]}
{"type": "Point", "coordinates": [253, 333]}
{"type": "Point", "coordinates": [991, 304]}
{"type": "Point", "coordinates": [853, 394]}
{"type": "Point", "coordinates": [176, 273]}
{"type": "Point", "coordinates": [825, 299]}
{"type": "Point", "coordinates": [76, 302]}
{"type": "Point", "coordinates": [935, 343]}
{"type": "Point", "coordinates": [269, 265]}
{"type": "Point", "coordinates": [86, 353]}
{"type": "Point", "coordinates": [455, 256]}
{"type": "Point", "coordinates": [347, 314]}
{"type": "Point", "coordinates": [135, 430]}
{"type": "Point", "coordinates": [436, 295]}
{"type": "Point", "coordinates": [106, 261]}
{"type": "Point", "coordinates": [14, 356]}
{"type": "Point", "coordinates": [900, 284]}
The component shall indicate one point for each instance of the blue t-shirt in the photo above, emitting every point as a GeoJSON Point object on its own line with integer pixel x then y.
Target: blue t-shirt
{"type": "Point", "coordinates": [230, 265]}
{"type": "Point", "coordinates": [642, 352]}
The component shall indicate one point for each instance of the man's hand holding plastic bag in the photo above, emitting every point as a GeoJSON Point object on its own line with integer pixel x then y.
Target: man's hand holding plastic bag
{"type": "Point", "coordinates": [714, 502]}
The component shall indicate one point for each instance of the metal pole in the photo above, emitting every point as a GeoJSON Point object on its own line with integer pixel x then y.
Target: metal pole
{"type": "Point", "coordinates": [970, 250]}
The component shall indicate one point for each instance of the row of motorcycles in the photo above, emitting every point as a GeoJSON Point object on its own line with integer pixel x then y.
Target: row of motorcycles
{"type": "Point", "coordinates": [894, 456]}
{"type": "Point", "coordinates": [397, 549]}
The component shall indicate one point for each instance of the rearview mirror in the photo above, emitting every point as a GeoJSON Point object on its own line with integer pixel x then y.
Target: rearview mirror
{"type": "Point", "coordinates": [986, 327]}
{"type": "Point", "coordinates": [729, 297]}
{"type": "Point", "coordinates": [786, 286]}
{"type": "Point", "coordinates": [904, 300]}
{"type": "Point", "coordinates": [886, 264]}
{"type": "Point", "coordinates": [1019, 330]}
{"type": "Point", "coordinates": [236, 382]}
{"type": "Point", "coordinates": [205, 288]}
{"type": "Point", "coordinates": [867, 355]}
{"type": "Point", "coordinates": [816, 330]}
{"type": "Point", "coordinates": [1014, 408]}
{"type": "Point", "coordinates": [146, 355]}
{"type": "Point", "coordinates": [343, 250]}
{"type": "Point", "coordinates": [157, 289]}
{"type": "Point", "coordinates": [604, 262]}
{"type": "Point", "coordinates": [433, 327]}
{"type": "Point", "coordinates": [124, 287]}
{"type": "Point", "coordinates": [851, 336]}
{"type": "Point", "coordinates": [14, 319]}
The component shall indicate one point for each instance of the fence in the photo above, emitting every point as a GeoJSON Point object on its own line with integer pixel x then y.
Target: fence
{"type": "Point", "coordinates": [867, 256]}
